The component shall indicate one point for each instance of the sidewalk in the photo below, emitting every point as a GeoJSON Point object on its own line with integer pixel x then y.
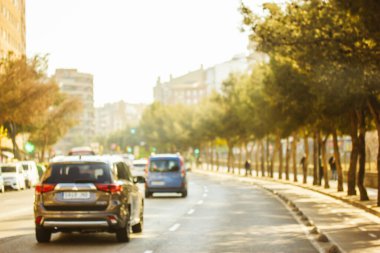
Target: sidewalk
{"type": "Point", "coordinates": [369, 206]}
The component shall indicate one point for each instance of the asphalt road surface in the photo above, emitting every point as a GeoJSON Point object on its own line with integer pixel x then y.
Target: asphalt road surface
{"type": "Point", "coordinates": [219, 215]}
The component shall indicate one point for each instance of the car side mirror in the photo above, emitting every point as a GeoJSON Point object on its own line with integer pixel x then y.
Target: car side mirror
{"type": "Point", "coordinates": [139, 180]}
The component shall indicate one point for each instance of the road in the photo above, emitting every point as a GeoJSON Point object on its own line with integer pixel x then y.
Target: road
{"type": "Point", "coordinates": [219, 215]}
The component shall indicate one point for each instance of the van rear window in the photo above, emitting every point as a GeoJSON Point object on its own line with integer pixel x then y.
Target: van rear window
{"type": "Point", "coordinates": [164, 165]}
{"type": "Point", "coordinates": [78, 173]}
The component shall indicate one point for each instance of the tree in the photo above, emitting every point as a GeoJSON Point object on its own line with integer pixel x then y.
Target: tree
{"type": "Point", "coordinates": [25, 93]}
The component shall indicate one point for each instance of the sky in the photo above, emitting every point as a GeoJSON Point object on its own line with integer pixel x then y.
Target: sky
{"type": "Point", "coordinates": [128, 44]}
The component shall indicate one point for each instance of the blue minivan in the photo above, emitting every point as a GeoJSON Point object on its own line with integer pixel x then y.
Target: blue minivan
{"type": "Point", "coordinates": [166, 173]}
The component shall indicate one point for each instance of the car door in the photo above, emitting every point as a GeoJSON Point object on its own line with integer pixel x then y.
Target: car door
{"type": "Point", "coordinates": [132, 189]}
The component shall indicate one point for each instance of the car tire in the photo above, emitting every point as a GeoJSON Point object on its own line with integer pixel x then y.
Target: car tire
{"type": "Point", "coordinates": [138, 228]}
{"type": "Point", "coordinates": [123, 234]}
{"type": "Point", "coordinates": [184, 193]}
{"type": "Point", "coordinates": [148, 194]}
{"type": "Point", "coordinates": [43, 235]}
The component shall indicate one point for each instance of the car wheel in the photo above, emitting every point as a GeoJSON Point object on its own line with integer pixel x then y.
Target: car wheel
{"type": "Point", "coordinates": [138, 228]}
{"type": "Point", "coordinates": [148, 194]}
{"type": "Point", "coordinates": [123, 234]}
{"type": "Point", "coordinates": [43, 235]}
{"type": "Point", "coordinates": [184, 194]}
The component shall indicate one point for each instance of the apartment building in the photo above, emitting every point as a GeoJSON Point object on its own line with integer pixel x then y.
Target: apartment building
{"type": "Point", "coordinates": [80, 85]}
{"type": "Point", "coordinates": [12, 27]}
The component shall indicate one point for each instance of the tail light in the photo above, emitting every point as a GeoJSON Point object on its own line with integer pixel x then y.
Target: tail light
{"type": "Point", "coordinates": [112, 188]}
{"type": "Point", "coordinates": [42, 188]}
{"type": "Point", "coordinates": [38, 220]}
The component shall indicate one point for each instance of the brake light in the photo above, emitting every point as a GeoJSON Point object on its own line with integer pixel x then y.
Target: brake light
{"type": "Point", "coordinates": [183, 172]}
{"type": "Point", "coordinates": [112, 188]}
{"type": "Point", "coordinates": [38, 220]}
{"type": "Point", "coordinates": [42, 188]}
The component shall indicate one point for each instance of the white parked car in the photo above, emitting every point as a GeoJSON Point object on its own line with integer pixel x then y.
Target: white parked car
{"type": "Point", "coordinates": [30, 173]}
{"type": "Point", "coordinates": [13, 176]}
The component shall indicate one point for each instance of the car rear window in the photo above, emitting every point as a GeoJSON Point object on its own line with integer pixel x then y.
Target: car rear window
{"type": "Point", "coordinates": [77, 173]}
{"type": "Point", "coordinates": [164, 165]}
{"type": "Point", "coordinates": [8, 169]}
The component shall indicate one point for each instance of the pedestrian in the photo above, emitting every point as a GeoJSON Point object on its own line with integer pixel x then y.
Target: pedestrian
{"type": "Point", "coordinates": [247, 167]}
{"type": "Point", "coordinates": [333, 167]}
{"type": "Point", "coordinates": [302, 161]}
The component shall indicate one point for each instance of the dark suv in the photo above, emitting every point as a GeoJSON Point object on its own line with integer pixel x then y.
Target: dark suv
{"type": "Point", "coordinates": [88, 194]}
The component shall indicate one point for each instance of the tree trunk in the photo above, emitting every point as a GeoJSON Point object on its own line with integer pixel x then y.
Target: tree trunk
{"type": "Point", "coordinates": [240, 158]}
{"type": "Point", "coordinates": [12, 133]}
{"type": "Point", "coordinates": [262, 153]}
{"type": "Point", "coordinates": [305, 164]}
{"type": "Point", "coordinates": [229, 158]}
{"type": "Point", "coordinates": [294, 157]}
{"type": "Point", "coordinates": [217, 159]}
{"type": "Point", "coordinates": [351, 180]}
{"type": "Point", "coordinates": [324, 161]}
{"type": "Point", "coordinates": [275, 149]}
{"type": "Point", "coordinates": [280, 158]}
{"type": "Point", "coordinates": [373, 105]}
{"type": "Point", "coordinates": [315, 158]}
{"type": "Point", "coordinates": [337, 161]}
{"type": "Point", "coordinates": [257, 158]}
{"type": "Point", "coordinates": [267, 157]}
{"type": "Point", "coordinates": [287, 158]}
{"type": "Point", "coordinates": [362, 155]}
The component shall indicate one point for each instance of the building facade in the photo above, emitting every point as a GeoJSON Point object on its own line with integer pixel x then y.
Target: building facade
{"type": "Point", "coordinates": [188, 89]}
{"type": "Point", "coordinates": [117, 116]}
{"type": "Point", "coordinates": [12, 27]}
{"type": "Point", "coordinates": [80, 85]}
{"type": "Point", "coordinates": [194, 86]}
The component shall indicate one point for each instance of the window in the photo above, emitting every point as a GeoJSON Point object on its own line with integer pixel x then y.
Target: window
{"type": "Point", "coordinates": [164, 165]}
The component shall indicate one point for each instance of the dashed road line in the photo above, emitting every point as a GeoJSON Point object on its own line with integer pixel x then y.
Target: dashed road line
{"type": "Point", "coordinates": [362, 229]}
{"type": "Point", "coordinates": [191, 211]}
{"type": "Point", "coordinates": [372, 235]}
{"type": "Point", "coordinates": [205, 195]}
{"type": "Point", "coordinates": [148, 251]}
{"type": "Point", "coordinates": [174, 227]}
{"type": "Point", "coordinates": [200, 202]}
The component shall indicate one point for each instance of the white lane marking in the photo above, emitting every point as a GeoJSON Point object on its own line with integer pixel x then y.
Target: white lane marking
{"type": "Point", "coordinates": [205, 195]}
{"type": "Point", "coordinates": [372, 235]}
{"type": "Point", "coordinates": [148, 251]}
{"type": "Point", "coordinates": [362, 229]}
{"type": "Point", "coordinates": [200, 202]}
{"type": "Point", "coordinates": [191, 211]}
{"type": "Point", "coordinates": [174, 227]}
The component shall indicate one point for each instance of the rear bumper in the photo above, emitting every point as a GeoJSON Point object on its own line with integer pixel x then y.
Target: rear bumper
{"type": "Point", "coordinates": [75, 224]}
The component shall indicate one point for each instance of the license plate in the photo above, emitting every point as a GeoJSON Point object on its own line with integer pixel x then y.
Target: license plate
{"type": "Point", "coordinates": [76, 195]}
{"type": "Point", "coordinates": [158, 183]}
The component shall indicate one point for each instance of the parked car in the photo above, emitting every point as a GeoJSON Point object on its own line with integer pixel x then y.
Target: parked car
{"type": "Point", "coordinates": [166, 173]}
{"type": "Point", "coordinates": [2, 186]}
{"type": "Point", "coordinates": [30, 173]}
{"type": "Point", "coordinates": [139, 167]}
{"type": "Point", "coordinates": [88, 194]}
{"type": "Point", "coordinates": [13, 176]}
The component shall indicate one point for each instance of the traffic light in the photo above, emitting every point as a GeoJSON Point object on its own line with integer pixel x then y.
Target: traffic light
{"type": "Point", "coordinates": [29, 147]}
{"type": "Point", "coordinates": [133, 130]}
{"type": "Point", "coordinates": [196, 152]}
